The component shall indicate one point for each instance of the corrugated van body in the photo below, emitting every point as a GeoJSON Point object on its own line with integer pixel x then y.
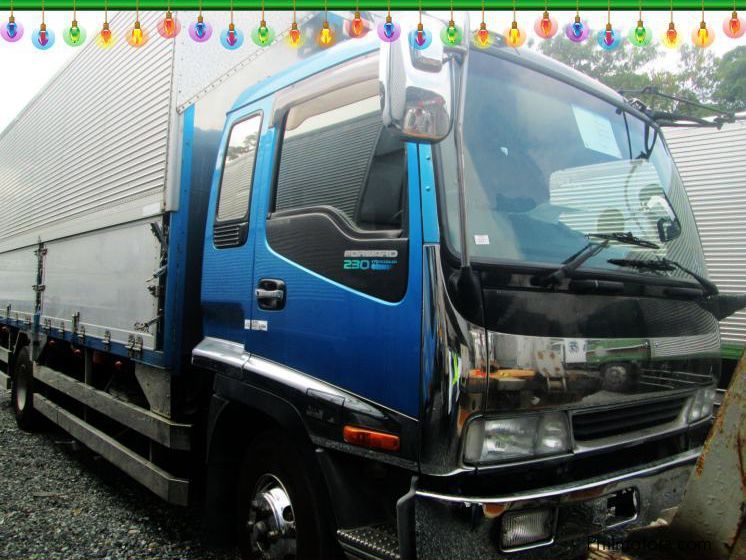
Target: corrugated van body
{"type": "Point", "coordinates": [712, 164]}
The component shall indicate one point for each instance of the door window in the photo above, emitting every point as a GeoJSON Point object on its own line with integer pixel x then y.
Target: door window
{"type": "Point", "coordinates": [340, 193]}
{"type": "Point", "coordinates": [340, 157]}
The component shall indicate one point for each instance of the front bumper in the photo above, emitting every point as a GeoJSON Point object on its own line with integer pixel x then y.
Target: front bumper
{"type": "Point", "coordinates": [469, 527]}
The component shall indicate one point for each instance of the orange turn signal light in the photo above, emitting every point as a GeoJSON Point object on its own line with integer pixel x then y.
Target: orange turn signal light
{"type": "Point", "coordinates": [371, 438]}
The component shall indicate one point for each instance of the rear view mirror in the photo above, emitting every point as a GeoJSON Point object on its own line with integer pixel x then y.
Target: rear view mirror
{"type": "Point", "coordinates": [419, 87]}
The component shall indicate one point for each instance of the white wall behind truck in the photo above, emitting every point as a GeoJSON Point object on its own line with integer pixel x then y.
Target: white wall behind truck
{"type": "Point", "coordinates": [712, 164]}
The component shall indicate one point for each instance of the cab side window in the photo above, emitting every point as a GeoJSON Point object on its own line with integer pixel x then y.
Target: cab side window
{"type": "Point", "coordinates": [231, 220]}
{"type": "Point", "coordinates": [340, 193]}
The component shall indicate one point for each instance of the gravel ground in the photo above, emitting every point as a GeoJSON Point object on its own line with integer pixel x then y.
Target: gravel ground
{"type": "Point", "coordinates": [60, 502]}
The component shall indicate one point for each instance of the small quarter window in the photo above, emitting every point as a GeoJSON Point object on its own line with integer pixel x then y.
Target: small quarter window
{"type": "Point", "coordinates": [238, 170]}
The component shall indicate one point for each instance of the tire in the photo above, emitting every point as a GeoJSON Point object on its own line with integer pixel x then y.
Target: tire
{"type": "Point", "coordinates": [282, 514]}
{"type": "Point", "coordinates": [22, 393]}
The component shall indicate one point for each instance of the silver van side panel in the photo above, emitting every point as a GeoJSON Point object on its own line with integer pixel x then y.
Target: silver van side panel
{"type": "Point", "coordinates": [104, 277]}
{"type": "Point", "coordinates": [17, 277]}
{"type": "Point", "coordinates": [712, 165]}
{"type": "Point", "coordinates": [90, 150]}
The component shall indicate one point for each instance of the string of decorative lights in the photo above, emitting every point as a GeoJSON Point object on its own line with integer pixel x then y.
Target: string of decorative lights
{"type": "Point", "coordinates": [11, 31]}
{"type": "Point", "coordinates": [482, 38]}
{"type": "Point", "coordinates": [74, 35]}
{"type": "Point", "coordinates": [105, 38]}
{"type": "Point", "coordinates": [704, 36]}
{"type": "Point", "coordinates": [733, 27]}
{"type": "Point", "coordinates": [515, 36]}
{"type": "Point", "coordinates": [577, 31]}
{"type": "Point", "coordinates": [169, 27]}
{"type": "Point", "coordinates": [294, 37]}
{"type": "Point", "coordinates": [326, 35]}
{"type": "Point", "coordinates": [609, 38]}
{"type": "Point", "coordinates": [546, 26]}
{"type": "Point", "coordinates": [671, 37]}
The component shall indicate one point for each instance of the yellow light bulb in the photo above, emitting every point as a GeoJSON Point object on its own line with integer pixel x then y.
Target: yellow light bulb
{"type": "Point", "coordinates": [326, 37]}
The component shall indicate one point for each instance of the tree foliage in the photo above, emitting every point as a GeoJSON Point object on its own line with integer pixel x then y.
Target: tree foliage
{"type": "Point", "coordinates": [730, 90]}
{"type": "Point", "coordinates": [698, 75]}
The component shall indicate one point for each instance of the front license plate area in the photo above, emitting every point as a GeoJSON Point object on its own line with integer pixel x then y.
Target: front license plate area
{"type": "Point", "coordinates": [621, 507]}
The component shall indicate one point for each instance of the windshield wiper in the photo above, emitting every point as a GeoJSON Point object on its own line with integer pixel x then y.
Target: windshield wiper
{"type": "Point", "coordinates": [625, 237]}
{"type": "Point", "coordinates": [650, 265]}
{"type": "Point", "coordinates": [668, 265]}
{"type": "Point", "coordinates": [571, 264]}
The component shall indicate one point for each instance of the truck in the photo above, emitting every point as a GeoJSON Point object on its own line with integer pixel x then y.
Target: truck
{"type": "Point", "coordinates": [362, 300]}
{"type": "Point", "coordinates": [714, 173]}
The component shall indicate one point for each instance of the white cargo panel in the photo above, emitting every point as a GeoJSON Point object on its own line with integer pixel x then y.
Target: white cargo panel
{"type": "Point", "coordinates": [90, 150]}
{"type": "Point", "coordinates": [103, 276]}
{"type": "Point", "coordinates": [18, 275]}
{"type": "Point", "coordinates": [712, 164]}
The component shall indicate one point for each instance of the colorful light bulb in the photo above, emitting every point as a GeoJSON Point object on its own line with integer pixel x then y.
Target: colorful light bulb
{"type": "Point", "coordinates": [577, 31]}
{"type": "Point", "coordinates": [389, 31]}
{"type": "Point", "coordinates": [294, 37]}
{"type": "Point", "coordinates": [11, 31]}
{"type": "Point", "coordinates": [105, 38]}
{"type": "Point", "coordinates": [74, 35]}
{"type": "Point", "coordinates": [609, 38]}
{"type": "Point", "coordinates": [43, 38]}
{"type": "Point", "coordinates": [200, 31]}
{"type": "Point", "coordinates": [733, 27]}
{"type": "Point", "coordinates": [640, 36]}
{"type": "Point", "coordinates": [514, 36]}
{"type": "Point", "coordinates": [356, 27]}
{"type": "Point", "coordinates": [482, 38]}
{"type": "Point", "coordinates": [263, 35]}
{"type": "Point", "coordinates": [546, 26]}
{"type": "Point", "coordinates": [169, 27]}
{"type": "Point", "coordinates": [326, 35]}
{"type": "Point", "coordinates": [451, 34]}
{"type": "Point", "coordinates": [137, 37]}
{"type": "Point", "coordinates": [671, 39]}
{"type": "Point", "coordinates": [231, 38]}
{"type": "Point", "coordinates": [703, 36]}
{"type": "Point", "coordinates": [420, 38]}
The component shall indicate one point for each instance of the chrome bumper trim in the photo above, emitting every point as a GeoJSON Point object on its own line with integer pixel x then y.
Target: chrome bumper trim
{"type": "Point", "coordinates": [682, 459]}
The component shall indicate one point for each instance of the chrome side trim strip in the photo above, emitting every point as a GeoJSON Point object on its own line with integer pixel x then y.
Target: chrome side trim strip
{"type": "Point", "coordinates": [220, 355]}
{"type": "Point", "coordinates": [682, 459]}
{"type": "Point", "coordinates": [214, 351]}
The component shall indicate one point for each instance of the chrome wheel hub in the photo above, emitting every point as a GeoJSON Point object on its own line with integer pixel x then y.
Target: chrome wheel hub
{"type": "Point", "coordinates": [271, 522]}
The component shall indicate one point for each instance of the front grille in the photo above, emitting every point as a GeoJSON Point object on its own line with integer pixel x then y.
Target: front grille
{"type": "Point", "coordinates": [616, 421]}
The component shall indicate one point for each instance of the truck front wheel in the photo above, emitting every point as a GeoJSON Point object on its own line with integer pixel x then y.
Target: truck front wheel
{"type": "Point", "coordinates": [282, 515]}
{"type": "Point", "coordinates": [22, 393]}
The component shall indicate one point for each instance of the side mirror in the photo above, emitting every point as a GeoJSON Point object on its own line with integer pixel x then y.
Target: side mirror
{"type": "Point", "coordinates": [419, 87]}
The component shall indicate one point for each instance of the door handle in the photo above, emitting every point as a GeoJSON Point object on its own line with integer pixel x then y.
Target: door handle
{"type": "Point", "coordinates": [270, 294]}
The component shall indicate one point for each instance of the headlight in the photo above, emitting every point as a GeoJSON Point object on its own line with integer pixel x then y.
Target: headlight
{"type": "Point", "coordinates": [702, 404]}
{"type": "Point", "coordinates": [537, 435]}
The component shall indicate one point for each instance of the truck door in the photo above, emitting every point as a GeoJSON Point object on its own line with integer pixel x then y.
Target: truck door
{"type": "Point", "coordinates": [228, 256]}
{"type": "Point", "coordinates": [338, 266]}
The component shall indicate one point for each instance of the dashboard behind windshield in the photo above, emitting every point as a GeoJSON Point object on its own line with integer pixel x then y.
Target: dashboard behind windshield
{"type": "Point", "coordinates": [547, 164]}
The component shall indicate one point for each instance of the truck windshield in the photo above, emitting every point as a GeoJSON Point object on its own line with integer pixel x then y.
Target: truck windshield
{"type": "Point", "coordinates": [548, 166]}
